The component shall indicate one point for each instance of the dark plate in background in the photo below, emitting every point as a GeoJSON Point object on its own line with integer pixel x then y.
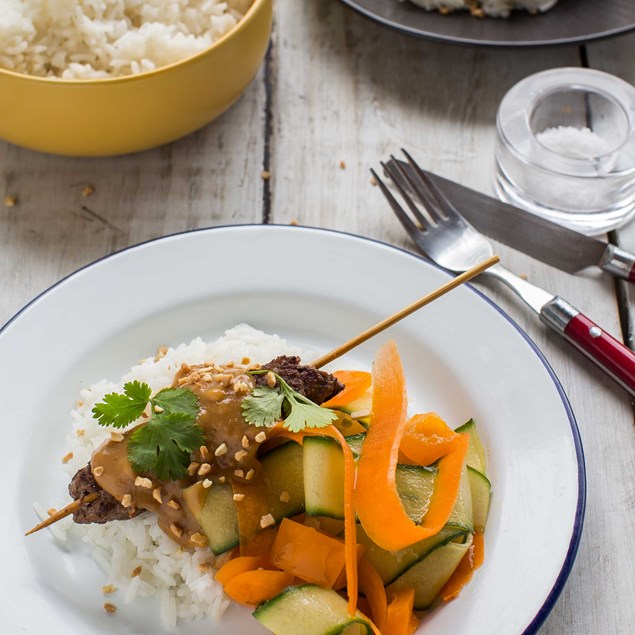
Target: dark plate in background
{"type": "Point", "coordinates": [569, 22]}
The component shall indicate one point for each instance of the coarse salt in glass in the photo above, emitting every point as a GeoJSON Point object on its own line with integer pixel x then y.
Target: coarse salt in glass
{"type": "Point", "coordinates": [565, 148]}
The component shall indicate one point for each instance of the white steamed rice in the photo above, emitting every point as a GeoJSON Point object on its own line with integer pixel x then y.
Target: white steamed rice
{"type": "Point", "coordinates": [88, 39]}
{"type": "Point", "coordinates": [179, 578]}
{"type": "Point", "coordinates": [495, 8]}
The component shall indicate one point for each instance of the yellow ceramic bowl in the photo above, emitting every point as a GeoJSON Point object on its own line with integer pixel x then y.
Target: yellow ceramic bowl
{"type": "Point", "coordinates": [114, 116]}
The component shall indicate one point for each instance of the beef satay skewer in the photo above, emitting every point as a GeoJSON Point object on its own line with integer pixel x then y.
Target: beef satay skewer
{"type": "Point", "coordinates": [71, 508]}
{"type": "Point", "coordinates": [325, 359]}
{"type": "Point", "coordinates": [405, 312]}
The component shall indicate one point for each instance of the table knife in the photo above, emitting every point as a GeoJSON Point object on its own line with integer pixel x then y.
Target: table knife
{"type": "Point", "coordinates": [538, 237]}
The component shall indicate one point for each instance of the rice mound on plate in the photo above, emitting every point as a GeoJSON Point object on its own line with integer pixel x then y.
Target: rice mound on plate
{"type": "Point", "coordinates": [182, 580]}
{"type": "Point", "coordinates": [494, 8]}
{"type": "Point", "coordinates": [91, 39]}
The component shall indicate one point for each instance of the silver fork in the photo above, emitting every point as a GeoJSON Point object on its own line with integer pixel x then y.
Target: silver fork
{"type": "Point", "coordinates": [445, 237]}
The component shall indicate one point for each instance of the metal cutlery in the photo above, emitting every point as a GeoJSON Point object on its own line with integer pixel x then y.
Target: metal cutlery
{"type": "Point", "coordinates": [446, 238]}
{"type": "Point", "coordinates": [534, 235]}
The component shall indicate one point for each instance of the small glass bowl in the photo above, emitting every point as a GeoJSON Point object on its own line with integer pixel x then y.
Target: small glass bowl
{"type": "Point", "coordinates": [565, 148]}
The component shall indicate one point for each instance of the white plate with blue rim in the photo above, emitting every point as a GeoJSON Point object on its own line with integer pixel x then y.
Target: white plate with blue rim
{"type": "Point", "coordinates": [463, 357]}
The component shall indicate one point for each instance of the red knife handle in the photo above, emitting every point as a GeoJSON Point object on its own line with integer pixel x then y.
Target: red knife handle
{"type": "Point", "coordinates": [619, 262]}
{"type": "Point", "coordinates": [616, 359]}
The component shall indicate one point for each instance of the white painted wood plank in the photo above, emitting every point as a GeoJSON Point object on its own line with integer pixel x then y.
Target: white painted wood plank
{"type": "Point", "coordinates": [211, 177]}
{"type": "Point", "coordinates": [348, 90]}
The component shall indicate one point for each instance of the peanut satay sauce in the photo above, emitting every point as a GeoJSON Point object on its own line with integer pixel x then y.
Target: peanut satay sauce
{"type": "Point", "coordinates": [230, 447]}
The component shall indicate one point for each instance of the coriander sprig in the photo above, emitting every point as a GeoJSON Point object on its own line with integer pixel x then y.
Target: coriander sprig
{"type": "Point", "coordinates": [266, 406]}
{"type": "Point", "coordinates": [164, 444]}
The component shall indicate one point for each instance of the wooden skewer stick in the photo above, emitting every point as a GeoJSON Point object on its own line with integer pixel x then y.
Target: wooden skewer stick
{"type": "Point", "coordinates": [415, 306]}
{"type": "Point", "coordinates": [329, 357]}
{"type": "Point", "coordinates": [66, 511]}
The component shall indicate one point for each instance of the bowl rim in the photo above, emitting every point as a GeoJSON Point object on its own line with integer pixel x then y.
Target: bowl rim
{"type": "Point", "coordinates": [255, 7]}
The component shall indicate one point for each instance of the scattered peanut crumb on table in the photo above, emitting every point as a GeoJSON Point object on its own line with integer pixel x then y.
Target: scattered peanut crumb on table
{"type": "Point", "coordinates": [294, 221]}
{"type": "Point", "coordinates": [88, 190]}
{"type": "Point", "coordinates": [10, 201]}
{"type": "Point", "coordinates": [373, 180]}
{"type": "Point", "coordinates": [109, 608]}
{"type": "Point", "coordinates": [342, 165]}
{"type": "Point", "coordinates": [265, 175]}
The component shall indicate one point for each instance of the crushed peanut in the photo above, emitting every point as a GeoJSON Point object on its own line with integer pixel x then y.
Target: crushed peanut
{"type": "Point", "coordinates": [244, 361]}
{"type": "Point", "coordinates": [204, 451]}
{"type": "Point", "coordinates": [260, 437]}
{"type": "Point", "coordinates": [240, 455]}
{"type": "Point", "coordinates": [221, 479]}
{"type": "Point", "coordinates": [98, 471]}
{"type": "Point", "coordinates": [270, 379]}
{"type": "Point", "coordinates": [284, 496]}
{"type": "Point", "coordinates": [265, 175]}
{"type": "Point", "coordinates": [117, 437]}
{"type": "Point", "coordinates": [221, 449]}
{"type": "Point", "coordinates": [156, 494]}
{"type": "Point", "coordinates": [52, 511]}
{"type": "Point", "coordinates": [207, 483]}
{"type": "Point", "coordinates": [192, 467]}
{"type": "Point", "coordinates": [10, 201]}
{"type": "Point", "coordinates": [238, 497]}
{"type": "Point", "coordinates": [80, 432]}
{"type": "Point", "coordinates": [198, 539]}
{"type": "Point", "coordinates": [176, 530]}
{"type": "Point", "coordinates": [239, 473]}
{"type": "Point", "coordinates": [250, 474]}
{"type": "Point", "coordinates": [143, 482]}
{"type": "Point", "coordinates": [67, 458]}
{"type": "Point", "coordinates": [126, 500]}
{"type": "Point", "coordinates": [267, 521]}
{"type": "Point", "coordinates": [241, 388]}
{"type": "Point", "coordinates": [294, 221]}
{"type": "Point", "coordinates": [87, 190]}
{"type": "Point", "coordinates": [108, 589]}
{"type": "Point", "coordinates": [245, 441]}
{"type": "Point", "coordinates": [223, 378]}
{"type": "Point", "coordinates": [109, 608]}
{"type": "Point", "coordinates": [342, 165]}
{"type": "Point", "coordinates": [174, 504]}
{"type": "Point", "coordinates": [373, 180]}
{"type": "Point", "coordinates": [136, 571]}
{"type": "Point", "coordinates": [162, 351]}
{"type": "Point", "coordinates": [206, 468]}
{"type": "Point", "coordinates": [158, 409]}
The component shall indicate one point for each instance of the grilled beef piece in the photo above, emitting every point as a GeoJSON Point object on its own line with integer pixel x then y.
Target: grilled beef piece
{"type": "Point", "coordinates": [316, 385]}
{"type": "Point", "coordinates": [102, 509]}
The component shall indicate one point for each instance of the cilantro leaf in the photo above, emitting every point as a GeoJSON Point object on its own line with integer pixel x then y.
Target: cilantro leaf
{"type": "Point", "coordinates": [118, 410]}
{"type": "Point", "coordinates": [173, 400]}
{"type": "Point", "coordinates": [164, 444]}
{"type": "Point", "coordinates": [263, 407]}
{"type": "Point", "coordinates": [303, 415]}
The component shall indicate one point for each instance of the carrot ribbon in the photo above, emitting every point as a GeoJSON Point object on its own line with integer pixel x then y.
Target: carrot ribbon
{"type": "Point", "coordinates": [377, 500]}
{"type": "Point", "coordinates": [427, 438]}
{"type": "Point", "coordinates": [356, 383]}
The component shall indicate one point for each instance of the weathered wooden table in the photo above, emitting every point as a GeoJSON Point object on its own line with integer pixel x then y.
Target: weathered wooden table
{"type": "Point", "coordinates": [336, 94]}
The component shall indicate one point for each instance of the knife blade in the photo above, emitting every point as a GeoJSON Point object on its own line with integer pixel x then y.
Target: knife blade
{"type": "Point", "coordinates": [535, 236]}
